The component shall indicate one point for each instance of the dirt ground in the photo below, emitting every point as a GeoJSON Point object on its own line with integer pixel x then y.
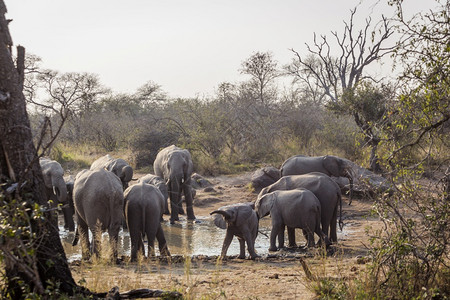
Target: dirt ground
{"type": "Point", "coordinates": [277, 275]}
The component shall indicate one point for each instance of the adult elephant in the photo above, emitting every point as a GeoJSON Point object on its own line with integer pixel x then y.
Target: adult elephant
{"type": "Point", "coordinates": [297, 208]}
{"type": "Point", "coordinates": [144, 205]}
{"type": "Point", "coordinates": [239, 220]}
{"type": "Point", "coordinates": [116, 165]}
{"type": "Point", "coordinates": [56, 189]}
{"type": "Point", "coordinates": [175, 166]}
{"type": "Point", "coordinates": [324, 188]}
{"type": "Point", "coordinates": [161, 185]}
{"type": "Point", "coordinates": [328, 164]}
{"type": "Point", "coordinates": [98, 199]}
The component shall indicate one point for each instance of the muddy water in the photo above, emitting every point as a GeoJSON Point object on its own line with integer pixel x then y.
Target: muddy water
{"type": "Point", "coordinates": [188, 238]}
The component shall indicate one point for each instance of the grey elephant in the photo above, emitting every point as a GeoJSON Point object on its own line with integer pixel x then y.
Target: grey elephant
{"type": "Point", "coordinates": [161, 185]}
{"type": "Point", "coordinates": [175, 166]}
{"type": "Point", "coordinates": [324, 188]}
{"type": "Point", "coordinates": [297, 208]}
{"type": "Point", "coordinates": [116, 165]}
{"type": "Point", "coordinates": [98, 199]}
{"type": "Point", "coordinates": [144, 205]}
{"type": "Point", "coordinates": [328, 164]}
{"type": "Point", "coordinates": [56, 189]}
{"type": "Point", "coordinates": [239, 220]}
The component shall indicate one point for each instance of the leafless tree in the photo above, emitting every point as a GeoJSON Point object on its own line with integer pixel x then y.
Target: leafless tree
{"type": "Point", "coordinates": [340, 74]}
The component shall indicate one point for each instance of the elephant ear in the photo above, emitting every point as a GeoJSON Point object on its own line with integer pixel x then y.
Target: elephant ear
{"type": "Point", "coordinates": [221, 217]}
{"type": "Point", "coordinates": [264, 204]}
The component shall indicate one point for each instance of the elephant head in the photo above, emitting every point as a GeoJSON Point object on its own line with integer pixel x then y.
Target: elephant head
{"type": "Point", "coordinates": [235, 215]}
{"type": "Point", "coordinates": [117, 166]}
{"type": "Point", "coordinates": [53, 175]}
{"type": "Point", "coordinates": [264, 205]}
{"type": "Point", "coordinates": [123, 170]}
{"type": "Point", "coordinates": [339, 167]}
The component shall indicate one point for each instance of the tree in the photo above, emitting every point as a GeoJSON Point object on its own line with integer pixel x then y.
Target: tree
{"type": "Point", "coordinates": [263, 70]}
{"type": "Point", "coordinates": [22, 182]}
{"type": "Point", "coordinates": [411, 254]}
{"type": "Point", "coordinates": [339, 75]}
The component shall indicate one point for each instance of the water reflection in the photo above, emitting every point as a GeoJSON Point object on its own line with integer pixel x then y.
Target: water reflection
{"type": "Point", "coordinates": [188, 238]}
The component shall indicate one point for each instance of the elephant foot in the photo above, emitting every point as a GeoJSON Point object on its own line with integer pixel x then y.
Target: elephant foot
{"type": "Point", "coordinates": [273, 249]}
{"type": "Point", "coordinates": [254, 257]}
{"type": "Point", "coordinates": [191, 218]}
{"type": "Point", "coordinates": [292, 246]}
{"type": "Point", "coordinates": [241, 256]}
{"type": "Point", "coordinates": [167, 212]}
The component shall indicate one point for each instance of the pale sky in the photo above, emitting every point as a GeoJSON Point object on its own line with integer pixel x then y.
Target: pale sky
{"type": "Point", "coordinates": [187, 47]}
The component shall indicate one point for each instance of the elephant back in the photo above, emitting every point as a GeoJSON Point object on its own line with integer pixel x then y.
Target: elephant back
{"type": "Point", "coordinates": [98, 194]}
{"type": "Point", "coordinates": [299, 164]}
{"type": "Point", "coordinates": [146, 196]}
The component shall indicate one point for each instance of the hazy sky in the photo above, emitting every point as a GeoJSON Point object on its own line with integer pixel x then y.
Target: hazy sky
{"type": "Point", "coordinates": [187, 47]}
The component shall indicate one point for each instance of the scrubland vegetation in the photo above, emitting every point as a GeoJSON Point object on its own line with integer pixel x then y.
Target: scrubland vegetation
{"type": "Point", "coordinates": [398, 127]}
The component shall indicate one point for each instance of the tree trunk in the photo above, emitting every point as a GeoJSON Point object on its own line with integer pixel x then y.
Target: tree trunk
{"type": "Point", "coordinates": [19, 167]}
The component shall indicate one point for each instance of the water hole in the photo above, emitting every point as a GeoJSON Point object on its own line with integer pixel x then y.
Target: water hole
{"type": "Point", "coordinates": [189, 238]}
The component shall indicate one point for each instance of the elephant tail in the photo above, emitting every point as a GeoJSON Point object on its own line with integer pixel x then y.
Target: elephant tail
{"type": "Point", "coordinates": [76, 237]}
{"type": "Point", "coordinates": [350, 179]}
{"type": "Point", "coordinates": [341, 223]}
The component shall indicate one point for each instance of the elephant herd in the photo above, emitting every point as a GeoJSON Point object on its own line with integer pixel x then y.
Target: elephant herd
{"type": "Point", "coordinates": [304, 197]}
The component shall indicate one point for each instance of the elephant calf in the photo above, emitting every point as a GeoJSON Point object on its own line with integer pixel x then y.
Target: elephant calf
{"type": "Point", "coordinates": [296, 209]}
{"type": "Point", "coordinates": [144, 206]}
{"type": "Point", "coordinates": [239, 220]}
{"type": "Point", "coordinates": [161, 185]}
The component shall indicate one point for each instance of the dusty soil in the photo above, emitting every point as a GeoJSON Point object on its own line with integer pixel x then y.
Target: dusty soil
{"type": "Point", "coordinates": [278, 275]}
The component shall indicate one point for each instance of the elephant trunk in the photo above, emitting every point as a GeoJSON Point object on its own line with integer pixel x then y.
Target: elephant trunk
{"type": "Point", "coordinates": [224, 213]}
{"type": "Point", "coordinates": [60, 189]}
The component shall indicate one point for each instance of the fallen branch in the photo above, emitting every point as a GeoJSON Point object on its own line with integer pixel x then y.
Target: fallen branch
{"type": "Point", "coordinates": [114, 294]}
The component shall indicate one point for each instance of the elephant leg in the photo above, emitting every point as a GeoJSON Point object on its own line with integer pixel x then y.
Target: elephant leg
{"type": "Point", "coordinates": [96, 240]}
{"type": "Point", "coordinates": [241, 248]}
{"type": "Point", "coordinates": [162, 243]}
{"type": "Point", "coordinates": [333, 227]}
{"type": "Point", "coordinates": [151, 235]}
{"type": "Point", "coordinates": [68, 213]}
{"type": "Point", "coordinates": [226, 244]}
{"type": "Point", "coordinates": [113, 234]}
{"type": "Point", "coordinates": [83, 232]}
{"type": "Point", "coordinates": [305, 235]}
{"type": "Point", "coordinates": [277, 230]}
{"type": "Point", "coordinates": [310, 237]}
{"type": "Point", "coordinates": [189, 201]}
{"type": "Point", "coordinates": [291, 237]}
{"type": "Point", "coordinates": [137, 246]}
{"type": "Point", "coordinates": [166, 207]}
{"type": "Point", "coordinates": [173, 208]}
{"type": "Point", "coordinates": [250, 245]}
{"type": "Point", "coordinates": [281, 237]}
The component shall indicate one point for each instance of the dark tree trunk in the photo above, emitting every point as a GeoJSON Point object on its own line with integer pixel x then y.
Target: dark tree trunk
{"type": "Point", "coordinates": [19, 164]}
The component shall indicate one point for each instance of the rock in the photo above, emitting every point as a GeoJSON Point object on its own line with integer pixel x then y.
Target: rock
{"type": "Point", "coordinates": [264, 177]}
{"type": "Point", "coordinates": [364, 181]}
{"type": "Point", "coordinates": [209, 190]}
{"type": "Point", "coordinates": [197, 181]}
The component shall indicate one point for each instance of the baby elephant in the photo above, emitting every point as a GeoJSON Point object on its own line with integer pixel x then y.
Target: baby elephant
{"type": "Point", "coordinates": [144, 206]}
{"type": "Point", "coordinates": [239, 220]}
{"type": "Point", "coordinates": [298, 208]}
